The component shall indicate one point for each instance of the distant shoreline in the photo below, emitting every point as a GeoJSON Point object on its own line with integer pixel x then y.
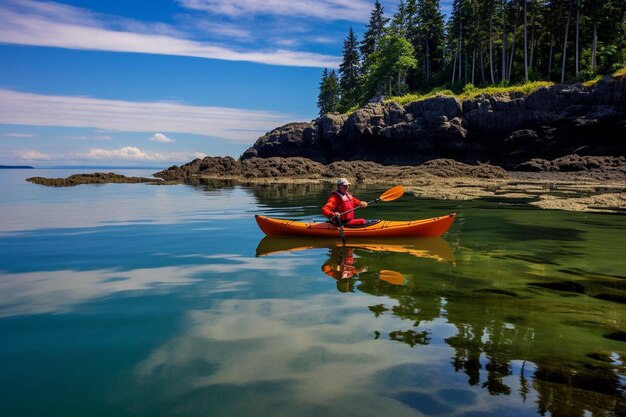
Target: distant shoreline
{"type": "Point", "coordinates": [16, 167]}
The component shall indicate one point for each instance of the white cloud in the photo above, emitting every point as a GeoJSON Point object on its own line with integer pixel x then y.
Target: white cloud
{"type": "Point", "coordinates": [235, 125]}
{"type": "Point", "coordinates": [324, 39]}
{"type": "Point", "coordinates": [287, 42]}
{"type": "Point", "coordinates": [55, 25]}
{"type": "Point", "coordinates": [87, 137]}
{"type": "Point", "coordinates": [132, 153]}
{"type": "Point", "coordinates": [352, 10]}
{"type": "Point", "coordinates": [33, 155]}
{"type": "Point", "coordinates": [18, 135]}
{"type": "Point", "coordinates": [221, 29]}
{"type": "Point", "coordinates": [160, 137]}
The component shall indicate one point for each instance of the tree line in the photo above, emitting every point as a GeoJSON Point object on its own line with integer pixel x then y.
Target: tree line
{"type": "Point", "coordinates": [483, 42]}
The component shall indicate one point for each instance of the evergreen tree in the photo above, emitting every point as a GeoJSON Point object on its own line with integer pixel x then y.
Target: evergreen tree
{"type": "Point", "coordinates": [400, 21]}
{"type": "Point", "coordinates": [373, 35]}
{"type": "Point", "coordinates": [328, 98]}
{"type": "Point", "coordinates": [454, 41]}
{"type": "Point", "coordinates": [429, 39]}
{"type": "Point", "coordinates": [349, 70]}
{"type": "Point", "coordinates": [485, 41]}
{"type": "Point", "coordinates": [610, 19]}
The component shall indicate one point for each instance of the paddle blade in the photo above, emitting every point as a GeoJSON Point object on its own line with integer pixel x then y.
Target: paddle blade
{"type": "Point", "coordinates": [392, 193]}
{"type": "Point", "coordinates": [392, 277]}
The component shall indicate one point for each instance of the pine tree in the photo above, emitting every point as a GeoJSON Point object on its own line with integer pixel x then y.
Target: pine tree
{"type": "Point", "coordinates": [328, 98]}
{"type": "Point", "coordinates": [400, 21]}
{"type": "Point", "coordinates": [429, 37]}
{"type": "Point", "coordinates": [454, 35]}
{"type": "Point", "coordinates": [371, 38]}
{"type": "Point", "coordinates": [349, 70]}
{"type": "Point", "coordinates": [485, 41]}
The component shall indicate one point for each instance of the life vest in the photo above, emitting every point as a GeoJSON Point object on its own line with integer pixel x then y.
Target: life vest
{"type": "Point", "coordinates": [347, 203]}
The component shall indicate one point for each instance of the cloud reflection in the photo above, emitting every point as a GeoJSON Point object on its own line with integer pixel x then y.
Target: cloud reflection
{"type": "Point", "coordinates": [323, 347]}
{"type": "Point", "coordinates": [61, 291]}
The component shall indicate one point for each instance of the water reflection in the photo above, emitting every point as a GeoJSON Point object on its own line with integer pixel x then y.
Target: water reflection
{"type": "Point", "coordinates": [346, 262]}
{"type": "Point", "coordinates": [294, 357]}
{"type": "Point", "coordinates": [503, 340]}
{"type": "Point", "coordinates": [45, 292]}
{"type": "Point", "coordinates": [306, 353]}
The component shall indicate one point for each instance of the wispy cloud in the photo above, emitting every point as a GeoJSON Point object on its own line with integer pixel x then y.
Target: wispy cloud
{"type": "Point", "coordinates": [236, 125]}
{"type": "Point", "coordinates": [56, 25]}
{"type": "Point", "coordinates": [352, 10]}
{"type": "Point", "coordinates": [220, 29]}
{"type": "Point", "coordinates": [33, 155]}
{"type": "Point", "coordinates": [160, 137]}
{"type": "Point", "coordinates": [132, 153]}
{"type": "Point", "coordinates": [86, 137]}
{"type": "Point", "coordinates": [18, 135]}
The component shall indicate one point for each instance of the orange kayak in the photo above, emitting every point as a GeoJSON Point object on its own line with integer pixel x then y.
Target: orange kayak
{"type": "Point", "coordinates": [435, 226]}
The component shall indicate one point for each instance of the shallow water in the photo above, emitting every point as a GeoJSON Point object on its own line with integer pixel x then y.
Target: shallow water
{"type": "Point", "coordinates": [135, 299]}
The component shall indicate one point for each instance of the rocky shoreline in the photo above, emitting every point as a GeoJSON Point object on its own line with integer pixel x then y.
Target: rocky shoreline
{"type": "Point", "coordinates": [573, 183]}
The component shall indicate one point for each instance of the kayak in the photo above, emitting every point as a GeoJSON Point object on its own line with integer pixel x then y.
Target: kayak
{"type": "Point", "coordinates": [434, 227]}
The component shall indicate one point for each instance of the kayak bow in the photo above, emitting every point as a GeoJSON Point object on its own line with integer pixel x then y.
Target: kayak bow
{"type": "Point", "coordinates": [435, 226]}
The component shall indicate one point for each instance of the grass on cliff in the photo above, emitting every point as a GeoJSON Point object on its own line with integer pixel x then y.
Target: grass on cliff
{"type": "Point", "coordinates": [469, 91]}
{"type": "Point", "coordinates": [620, 73]}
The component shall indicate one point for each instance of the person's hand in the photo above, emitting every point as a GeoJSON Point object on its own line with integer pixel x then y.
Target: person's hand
{"type": "Point", "coordinates": [363, 204]}
{"type": "Point", "coordinates": [336, 215]}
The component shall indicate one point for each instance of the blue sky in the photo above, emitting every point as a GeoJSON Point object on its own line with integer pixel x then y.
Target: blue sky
{"type": "Point", "coordinates": [93, 82]}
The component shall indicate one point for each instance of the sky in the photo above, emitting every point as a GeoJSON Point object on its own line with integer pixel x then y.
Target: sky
{"type": "Point", "coordinates": [138, 83]}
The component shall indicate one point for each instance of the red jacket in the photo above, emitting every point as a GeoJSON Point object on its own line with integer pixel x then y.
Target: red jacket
{"type": "Point", "coordinates": [336, 204]}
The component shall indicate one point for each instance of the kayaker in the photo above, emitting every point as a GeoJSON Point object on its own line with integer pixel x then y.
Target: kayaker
{"type": "Point", "coordinates": [341, 201]}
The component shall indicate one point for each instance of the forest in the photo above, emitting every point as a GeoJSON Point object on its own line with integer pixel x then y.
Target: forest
{"type": "Point", "coordinates": [481, 43]}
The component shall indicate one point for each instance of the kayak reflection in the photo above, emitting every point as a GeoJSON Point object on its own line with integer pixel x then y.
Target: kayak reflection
{"type": "Point", "coordinates": [343, 265]}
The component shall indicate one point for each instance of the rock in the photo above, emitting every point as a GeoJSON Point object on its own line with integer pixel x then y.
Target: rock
{"type": "Point", "coordinates": [535, 165]}
{"type": "Point", "coordinates": [282, 167]}
{"type": "Point", "coordinates": [95, 178]}
{"type": "Point", "coordinates": [506, 129]}
{"type": "Point", "coordinates": [208, 165]}
{"type": "Point", "coordinates": [306, 169]}
{"type": "Point", "coordinates": [293, 139]}
{"type": "Point", "coordinates": [600, 167]}
{"type": "Point", "coordinates": [433, 108]}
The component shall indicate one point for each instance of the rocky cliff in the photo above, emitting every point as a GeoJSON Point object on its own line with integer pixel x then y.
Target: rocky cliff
{"type": "Point", "coordinates": [511, 130]}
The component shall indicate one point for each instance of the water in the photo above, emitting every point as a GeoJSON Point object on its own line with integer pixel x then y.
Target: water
{"type": "Point", "coordinates": [135, 299]}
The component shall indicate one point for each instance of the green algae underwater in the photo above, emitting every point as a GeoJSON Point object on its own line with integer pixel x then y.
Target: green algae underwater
{"type": "Point", "coordinates": [134, 299]}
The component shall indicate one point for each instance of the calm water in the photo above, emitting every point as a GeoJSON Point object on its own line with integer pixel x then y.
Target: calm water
{"type": "Point", "coordinates": [140, 300]}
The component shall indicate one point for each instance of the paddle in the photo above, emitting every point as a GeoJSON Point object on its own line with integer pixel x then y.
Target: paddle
{"type": "Point", "coordinates": [392, 277]}
{"type": "Point", "coordinates": [391, 194]}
